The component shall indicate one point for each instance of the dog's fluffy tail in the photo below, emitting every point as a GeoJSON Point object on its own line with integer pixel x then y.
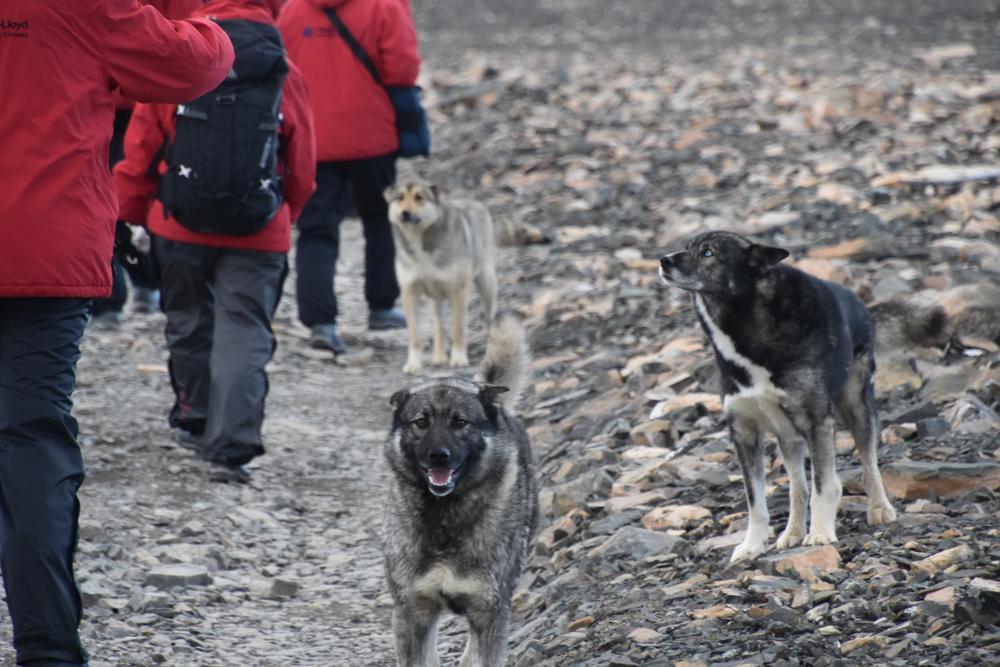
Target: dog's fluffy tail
{"type": "Point", "coordinates": [506, 361]}
{"type": "Point", "coordinates": [906, 322]}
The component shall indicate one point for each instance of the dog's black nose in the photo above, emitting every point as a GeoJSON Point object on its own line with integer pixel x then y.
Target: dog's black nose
{"type": "Point", "coordinates": [666, 262]}
{"type": "Point", "coordinates": [439, 456]}
{"type": "Point", "coordinates": [406, 216]}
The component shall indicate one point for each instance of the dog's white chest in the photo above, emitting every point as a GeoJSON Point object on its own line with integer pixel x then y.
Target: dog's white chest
{"type": "Point", "coordinates": [442, 582]}
{"type": "Point", "coordinates": [760, 397]}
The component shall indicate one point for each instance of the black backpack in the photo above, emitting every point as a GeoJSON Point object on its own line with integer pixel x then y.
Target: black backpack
{"type": "Point", "coordinates": [222, 165]}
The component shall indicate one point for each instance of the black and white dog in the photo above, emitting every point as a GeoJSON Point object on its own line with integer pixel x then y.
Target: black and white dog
{"type": "Point", "coordinates": [791, 348]}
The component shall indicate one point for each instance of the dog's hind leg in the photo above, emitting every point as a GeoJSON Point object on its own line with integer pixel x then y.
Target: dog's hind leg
{"type": "Point", "coordinates": [416, 639]}
{"type": "Point", "coordinates": [826, 487]}
{"type": "Point", "coordinates": [439, 357]}
{"type": "Point", "coordinates": [750, 451]}
{"type": "Point", "coordinates": [856, 406]}
{"type": "Point", "coordinates": [486, 285]}
{"type": "Point", "coordinates": [459, 309]}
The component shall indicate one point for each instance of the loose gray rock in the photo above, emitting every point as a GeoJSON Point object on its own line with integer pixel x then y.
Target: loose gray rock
{"type": "Point", "coordinates": [173, 575]}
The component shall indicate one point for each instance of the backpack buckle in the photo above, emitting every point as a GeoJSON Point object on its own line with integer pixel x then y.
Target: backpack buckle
{"type": "Point", "coordinates": [226, 98]}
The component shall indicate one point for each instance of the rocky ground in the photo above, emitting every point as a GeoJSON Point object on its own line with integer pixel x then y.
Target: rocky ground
{"type": "Point", "coordinates": [859, 136]}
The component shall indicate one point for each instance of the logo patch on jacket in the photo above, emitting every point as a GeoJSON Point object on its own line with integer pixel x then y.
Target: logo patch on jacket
{"type": "Point", "coordinates": [13, 28]}
{"type": "Point", "coordinates": [322, 31]}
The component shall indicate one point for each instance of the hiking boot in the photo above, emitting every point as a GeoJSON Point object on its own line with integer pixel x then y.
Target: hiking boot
{"type": "Point", "coordinates": [384, 319]}
{"type": "Point", "coordinates": [145, 300]}
{"type": "Point", "coordinates": [187, 439]}
{"type": "Point", "coordinates": [229, 472]}
{"type": "Point", "coordinates": [325, 337]}
{"type": "Point", "coordinates": [110, 320]}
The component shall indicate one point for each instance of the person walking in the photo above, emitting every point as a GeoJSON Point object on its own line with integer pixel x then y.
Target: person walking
{"type": "Point", "coordinates": [60, 62]}
{"type": "Point", "coordinates": [356, 146]}
{"type": "Point", "coordinates": [222, 274]}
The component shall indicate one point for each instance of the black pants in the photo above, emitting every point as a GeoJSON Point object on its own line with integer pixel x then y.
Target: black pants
{"type": "Point", "coordinates": [342, 188]}
{"type": "Point", "coordinates": [219, 303]}
{"type": "Point", "coordinates": [115, 303]}
{"type": "Point", "coordinates": [41, 468]}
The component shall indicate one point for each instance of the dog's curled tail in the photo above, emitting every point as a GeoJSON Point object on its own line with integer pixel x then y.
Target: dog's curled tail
{"type": "Point", "coordinates": [506, 360]}
{"type": "Point", "coordinates": [907, 321]}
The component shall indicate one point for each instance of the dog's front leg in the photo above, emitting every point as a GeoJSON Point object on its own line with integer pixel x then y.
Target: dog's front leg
{"type": "Point", "coordinates": [416, 639]}
{"type": "Point", "coordinates": [438, 357]}
{"type": "Point", "coordinates": [750, 451]}
{"type": "Point", "coordinates": [793, 452]}
{"type": "Point", "coordinates": [826, 487]}
{"type": "Point", "coordinates": [411, 301]}
{"type": "Point", "coordinates": [470, 656]}
{"type": "Point", "coordinates": [459, 306]}
{"type": "Point", "coordinates": [487, 645]}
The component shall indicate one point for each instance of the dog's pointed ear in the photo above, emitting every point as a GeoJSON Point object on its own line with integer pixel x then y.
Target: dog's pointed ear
{"type": "Point", "coordinates": [389, 193]}
{"type": "Point", "coordinates": [436, 193]}
{"type": "Point", "coordinates": [399, 399]}
{"type": "Point", "coordinates": [490, 393]}
{"type": "Point", "coordinates": [765, 256]}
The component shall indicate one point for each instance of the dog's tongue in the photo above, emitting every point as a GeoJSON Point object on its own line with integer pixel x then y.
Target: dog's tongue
{"type": "Point", "coordinates": [439, 476]}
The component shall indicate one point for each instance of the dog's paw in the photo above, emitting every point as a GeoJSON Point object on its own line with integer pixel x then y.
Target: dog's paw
{"type": "Point", "coordinates": [413, 366]}
{"type": "Point", "coordinates": [458, 359]}
{"type": "Point", "coordinates": [747, 552]}
{"type": "Point", "coordinates": [439, 359]}
{"type": "Point", "coordinates": [879, 515]}
{"type": "Point", "coordinates": [815, 539]}
{"type": "Point", "coordinates": [789, 538]}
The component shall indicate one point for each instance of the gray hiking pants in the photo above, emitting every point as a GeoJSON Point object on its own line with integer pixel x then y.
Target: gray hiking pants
{"type": "Point", "coordinates": [219, 303]}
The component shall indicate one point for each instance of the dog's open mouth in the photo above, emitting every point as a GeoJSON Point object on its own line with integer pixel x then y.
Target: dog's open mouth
{"type": "Point", "coordinates": [441, 481]}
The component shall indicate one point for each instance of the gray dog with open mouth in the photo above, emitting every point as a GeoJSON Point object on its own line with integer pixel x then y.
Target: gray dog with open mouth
{"type": "Point", "coordinates": [462, 505]}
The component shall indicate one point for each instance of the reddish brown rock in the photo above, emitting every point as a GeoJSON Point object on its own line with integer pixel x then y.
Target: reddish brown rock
{"type": "Point", "coordinates": [916, 479]}
{"type": "Point", "coordinates": [805, 563]}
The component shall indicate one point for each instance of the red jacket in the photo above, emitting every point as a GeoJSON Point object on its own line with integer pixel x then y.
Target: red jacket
{"type": "Point", "coordinates": [172, 9]}
{"type": "Point", "coordinates": [60, 61]}
{"type": "Point", "coordinates": [152, 124]}
{"type": "Point", "coordinates": [354, 117]}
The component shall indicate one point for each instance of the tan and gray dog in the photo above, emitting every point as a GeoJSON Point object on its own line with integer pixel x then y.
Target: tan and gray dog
{"type": "Point", "coordinates": [462, 504]}
{"type": "Point", "coordinates": [442, 247]}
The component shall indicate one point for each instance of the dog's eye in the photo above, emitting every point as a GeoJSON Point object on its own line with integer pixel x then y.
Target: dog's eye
{"type": "Point", "coordinates": [707, 252]}
{"type": "Point", "coordinates": [421, 422]}
{"type": "Point", "coordinates": [418, 198]}
{"type": "Point", "coordinates": [458, 422]}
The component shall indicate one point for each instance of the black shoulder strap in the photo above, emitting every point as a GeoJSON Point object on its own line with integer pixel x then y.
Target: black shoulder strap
{"type": "Point", "coordinates": [356, 48]}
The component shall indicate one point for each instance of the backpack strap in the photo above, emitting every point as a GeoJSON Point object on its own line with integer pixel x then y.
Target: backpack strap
{"type": "Point", "coordinates": [355, 47]}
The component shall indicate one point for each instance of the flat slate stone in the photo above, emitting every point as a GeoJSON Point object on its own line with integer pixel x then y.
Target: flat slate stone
{"type": "Point", "coordinates": [173, 575]}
